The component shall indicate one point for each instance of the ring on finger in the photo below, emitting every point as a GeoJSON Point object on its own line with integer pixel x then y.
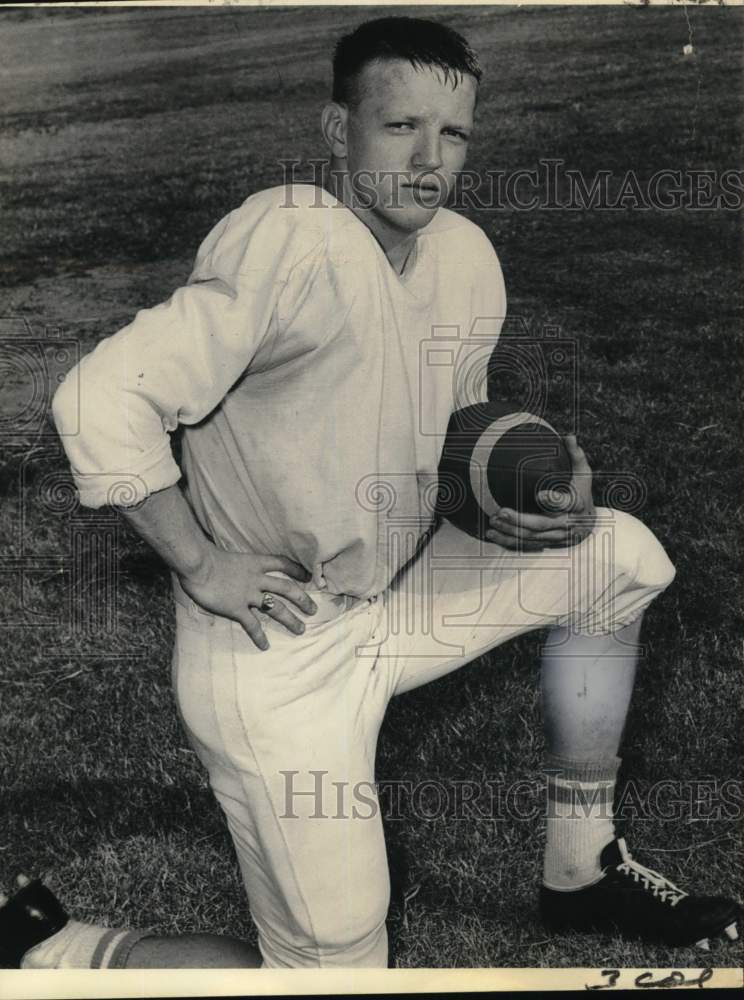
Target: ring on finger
{"type": "Point", "coordinates": [267, 601]}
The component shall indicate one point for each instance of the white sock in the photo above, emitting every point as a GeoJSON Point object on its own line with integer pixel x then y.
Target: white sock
{"type": "Point", "coordinates": [82, 946]}
{"type": "Point", "coordinates": [579, 823]}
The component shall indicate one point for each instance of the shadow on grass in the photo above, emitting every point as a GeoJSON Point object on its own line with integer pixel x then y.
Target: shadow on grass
{"type": "Point", "coordinates": [51, 820]}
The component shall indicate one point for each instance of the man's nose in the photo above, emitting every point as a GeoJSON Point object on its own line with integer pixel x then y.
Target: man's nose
{"type": "Point", "coordinates": [428, 153]}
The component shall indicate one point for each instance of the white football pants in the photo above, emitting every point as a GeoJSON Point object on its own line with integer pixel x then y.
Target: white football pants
{"type": "Point", "coordinates": [288, 736]}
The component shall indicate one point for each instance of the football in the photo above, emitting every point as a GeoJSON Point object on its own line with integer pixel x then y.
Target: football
{"type": "Point", "coordinates": [496, 455]}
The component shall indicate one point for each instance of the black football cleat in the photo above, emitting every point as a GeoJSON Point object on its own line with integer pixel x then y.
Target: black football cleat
{"type": "Point", "coordinates": [29, 917]}
{"type": "Point", "coordinates": [639, 903]}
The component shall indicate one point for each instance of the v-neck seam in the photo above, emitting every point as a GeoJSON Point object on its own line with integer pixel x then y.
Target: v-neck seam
{"type": "Point", "coordinates": [403, 282]}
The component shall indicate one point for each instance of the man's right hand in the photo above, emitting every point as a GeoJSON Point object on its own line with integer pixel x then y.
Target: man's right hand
{"type": "Point", "coordinates": [231, 584]}
{"type": "Point", "coordinates": [225, 583]}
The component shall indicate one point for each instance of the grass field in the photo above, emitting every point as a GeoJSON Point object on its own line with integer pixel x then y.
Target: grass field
{"type": "Point", "coordinates": [126, 135]}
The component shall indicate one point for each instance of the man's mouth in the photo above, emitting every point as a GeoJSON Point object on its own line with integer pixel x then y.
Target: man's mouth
{"type": "Point", "coordinates": [423, 186]}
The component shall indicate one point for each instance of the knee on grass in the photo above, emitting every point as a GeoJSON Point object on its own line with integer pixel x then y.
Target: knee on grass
{"type": "Point", "coordinates": [360, 942]}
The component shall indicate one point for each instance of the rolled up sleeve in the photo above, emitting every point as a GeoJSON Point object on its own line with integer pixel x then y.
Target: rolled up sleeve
{"type": "Point", "coordinates": [174, 363]}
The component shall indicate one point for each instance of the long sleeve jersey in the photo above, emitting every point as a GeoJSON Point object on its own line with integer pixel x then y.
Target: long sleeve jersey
{"type": "Point", "coordinates": [314, 384]}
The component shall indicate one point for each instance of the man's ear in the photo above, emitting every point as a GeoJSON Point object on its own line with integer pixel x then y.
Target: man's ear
{"type": "Point", "coordinates": [333, 122]}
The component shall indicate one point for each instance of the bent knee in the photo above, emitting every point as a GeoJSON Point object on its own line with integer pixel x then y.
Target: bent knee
{"type": "Point", "coordinates": [637, 552]}
{"type": "Point", "coordinates": [351, 936]}
{"type": "Point", "coordinates": [362, 946]}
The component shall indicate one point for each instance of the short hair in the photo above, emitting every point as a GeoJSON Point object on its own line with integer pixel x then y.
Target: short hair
{"type": "Point", "coordinates": [421, 42]}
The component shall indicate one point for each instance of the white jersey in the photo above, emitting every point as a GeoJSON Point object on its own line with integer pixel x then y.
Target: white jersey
{"type": "Point", "coordinates": [313, 381]}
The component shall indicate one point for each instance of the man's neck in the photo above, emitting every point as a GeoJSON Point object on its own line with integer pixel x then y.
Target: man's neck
{"type": "Point", "coordinates": [399, 253]}
{"type": "Point", "coordinates": [397, 245]}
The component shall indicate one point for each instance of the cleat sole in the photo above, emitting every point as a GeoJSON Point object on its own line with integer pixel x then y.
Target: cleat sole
{"type": "Point", "coordinates": [731, 932]}
{"type": "Point", "coordinates": [704, 943]}
{"type": "Point", "coordinates": [30, 916]}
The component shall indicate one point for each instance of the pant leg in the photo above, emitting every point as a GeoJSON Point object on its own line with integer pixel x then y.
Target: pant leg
{"type": "Point", "coordinates": [461, 597]}
{"type": "Point", "coordinates": [288, 737]}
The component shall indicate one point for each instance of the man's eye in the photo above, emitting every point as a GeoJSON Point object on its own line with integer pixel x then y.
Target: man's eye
{"type": "Point", "coordinates": [400, 125]}
{"type": "Point", "coordinates": [457, 133]}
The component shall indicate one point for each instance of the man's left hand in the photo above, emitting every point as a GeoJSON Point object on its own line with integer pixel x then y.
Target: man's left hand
{"type": "Point", "coordinates": [570, 520]}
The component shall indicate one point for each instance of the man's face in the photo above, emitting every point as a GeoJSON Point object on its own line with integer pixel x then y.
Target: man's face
{"type": "Point", "coordinates": [407, 137]}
